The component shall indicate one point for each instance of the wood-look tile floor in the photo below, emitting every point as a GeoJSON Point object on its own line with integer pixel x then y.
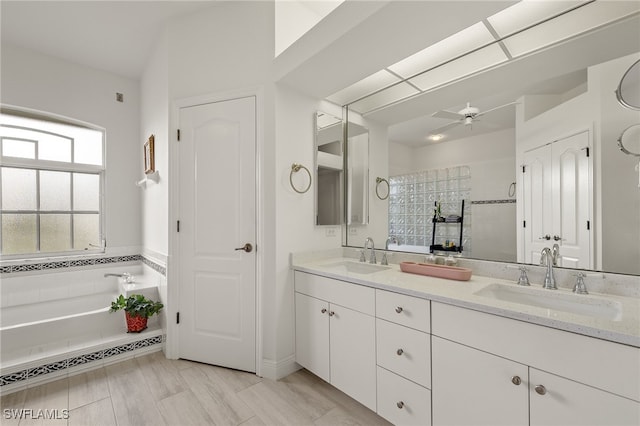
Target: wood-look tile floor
{"type": "Point", "coordinates": [152, 390]}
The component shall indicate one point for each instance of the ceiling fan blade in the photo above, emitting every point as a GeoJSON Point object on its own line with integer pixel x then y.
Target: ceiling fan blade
{"type": "Point", "coordinates": [494, 109]}
{"type": "Point", "coordinates": [445, 127]}
{"type": "Point", "coordinates": [447, 114]}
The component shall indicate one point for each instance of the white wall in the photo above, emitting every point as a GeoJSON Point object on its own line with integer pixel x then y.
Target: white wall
{"type": "Point", "coordinates": [44, 83]}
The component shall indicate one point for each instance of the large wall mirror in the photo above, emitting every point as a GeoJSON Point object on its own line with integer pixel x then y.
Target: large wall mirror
{"type": "Point", "coordinates": [529, 146]}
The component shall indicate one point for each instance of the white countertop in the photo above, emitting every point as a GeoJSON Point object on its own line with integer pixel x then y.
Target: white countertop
{"type": "Point", "coordinates": [626, 330]}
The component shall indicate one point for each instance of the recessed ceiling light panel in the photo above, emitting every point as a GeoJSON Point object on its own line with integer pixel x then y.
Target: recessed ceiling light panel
{"type": "Point", "coordinates": [383, 98]}
{"type": "Point", "coordinates": [527, 12]}
{"type": "Point", "coordinates": [363, 87]}
{"type": "Point", "coordinates": [451, 47]}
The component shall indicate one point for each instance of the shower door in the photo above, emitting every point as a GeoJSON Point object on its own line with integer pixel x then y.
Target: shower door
{"type": "Point", "coordinates": [217, 233]}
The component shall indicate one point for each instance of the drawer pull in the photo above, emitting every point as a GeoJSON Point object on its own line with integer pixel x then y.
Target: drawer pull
{"type": "Point", "coordinates": [399, 351]}
{"type": "Point", "coordinates": [324, 310]}
{"type": "Point", "coordinates": [399, 309]}
{"type": "Point", "coordinates": [516, 380]}
{"type": "Point", "coordinates": [331, 313]}
{"type": "Point", "coordinates": [540, 390]}
{"type": "Point", "coordinates": [400, 404]}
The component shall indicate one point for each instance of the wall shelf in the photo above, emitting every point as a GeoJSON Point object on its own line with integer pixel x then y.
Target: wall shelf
{"type": "Point", "coordinates": [151, 177]}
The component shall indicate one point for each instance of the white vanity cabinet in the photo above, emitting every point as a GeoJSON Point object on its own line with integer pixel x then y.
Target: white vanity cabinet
{"type": "Point", "coordinates": [493, 370]}
{"type": "Point", "coordinates": [335, 334]}
{"type": "Point", "coordinates": [403, 352]}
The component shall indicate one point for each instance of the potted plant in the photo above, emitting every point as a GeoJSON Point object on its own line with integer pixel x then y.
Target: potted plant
{"type": "Point", "coordinates": [137, 309]}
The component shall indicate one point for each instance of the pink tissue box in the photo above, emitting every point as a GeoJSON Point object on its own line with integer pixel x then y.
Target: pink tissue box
{"type": "Point", "coordinates": [440, 271]}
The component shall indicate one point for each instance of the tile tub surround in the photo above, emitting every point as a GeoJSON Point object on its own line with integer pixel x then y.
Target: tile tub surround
{"type": "Point", "coordinates": [461, 293]}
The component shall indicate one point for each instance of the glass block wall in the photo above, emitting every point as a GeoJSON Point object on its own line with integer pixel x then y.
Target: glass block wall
{"type": "Point", "coordinates": [412, 200]}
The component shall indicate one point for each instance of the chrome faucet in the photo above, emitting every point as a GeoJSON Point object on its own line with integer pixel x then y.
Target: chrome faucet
{"type": "Point", "coordinates": [555, 254]}
{"type": "Point", "coordinates": [127, 277]}
{"type": "Point", "coordinates": [372, 256]}
{"type": "Point", "coordinates": [546, 258]}
{"type": "Point", "coordinates": [391, 239]}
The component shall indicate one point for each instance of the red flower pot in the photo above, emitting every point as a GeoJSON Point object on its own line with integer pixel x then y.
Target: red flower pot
{"type": "Point", "coordinates": [135, 324]}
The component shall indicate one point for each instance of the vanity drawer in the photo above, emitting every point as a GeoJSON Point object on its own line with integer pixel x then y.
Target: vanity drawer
{"type": "Point", "coordinates": [402, 309]}
{"type": "Point", "coordinates": [401, 401]}
{"type": "Point", "coordinates": [353, 296]}
{"type": "Point", "coordinates": [404, 351]}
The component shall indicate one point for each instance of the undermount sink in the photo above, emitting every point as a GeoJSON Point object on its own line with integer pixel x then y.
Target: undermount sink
{"type": "Point", "coordinates": [586, 305]}
{"type": "Point", "coordinates": [356, 267]}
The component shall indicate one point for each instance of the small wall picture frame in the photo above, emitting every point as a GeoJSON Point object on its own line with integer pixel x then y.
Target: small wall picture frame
{"type": "Point", "coordinates": [149, 163]}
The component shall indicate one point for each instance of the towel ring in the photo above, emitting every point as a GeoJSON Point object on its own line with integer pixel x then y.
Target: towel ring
{"type": "Point", "coordinates": [294, 169]}
{"type": "Point", "coordinates": [632, 140]}
{"type": "Point", "coordinates": [379, 180]}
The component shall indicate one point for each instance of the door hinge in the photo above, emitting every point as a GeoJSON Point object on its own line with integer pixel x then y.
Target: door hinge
{"type": "Point", "coordinates": [178, 226]}
{"type": "Point", "coordinates": [524, 223]}
{"type": "Point", "coordinates": [587, 150]}
{"type": "Point", "coordinates": [177, 317]}
{"type": "Point", "coordinates": [178, 134]}
{"type": "Point", "coordinates": [588, 225]}
{"type": "Point", "coordinates": [522, 169]}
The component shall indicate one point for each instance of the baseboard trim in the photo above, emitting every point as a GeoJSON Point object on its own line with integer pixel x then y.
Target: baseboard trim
{"type": "Point", "coordinates": [276, 370]}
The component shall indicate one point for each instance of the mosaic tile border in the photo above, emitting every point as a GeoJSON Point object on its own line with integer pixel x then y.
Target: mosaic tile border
{"type": "Point", "coordinates": [509, 201]}
{"type": "Point", "coordinates": [52, 367]}
{"type": "Point", "coordinates": [155, 266]}
{"type": "Point", "coordinates": [84, 262]}
{"type": "Point", "coordinates": [69, 263]}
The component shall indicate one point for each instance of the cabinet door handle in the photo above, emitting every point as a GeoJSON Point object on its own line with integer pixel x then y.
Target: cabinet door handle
{"type": "Point", "coordinates": [400, 404]}
{"type": "Point", "coordinates": [399, 309]}
{"type": "Point", "coordinates": [399, 351]}
{"type": "Point", "coordinates": [516, 380]}
{"type": "Point", "coordinates": [540, 390]}
{"type": "Point", "coordinates": [331, 313]}
{"type": "Point", "coordinates": [324, 310]}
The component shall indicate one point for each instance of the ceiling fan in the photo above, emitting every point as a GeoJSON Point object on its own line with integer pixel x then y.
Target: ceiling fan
{"type": "Point", "coordinates": [465, 116]}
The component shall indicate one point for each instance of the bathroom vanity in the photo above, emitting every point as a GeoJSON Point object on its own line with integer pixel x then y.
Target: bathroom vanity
{"type": "Point", "coordinates": [423, 350]}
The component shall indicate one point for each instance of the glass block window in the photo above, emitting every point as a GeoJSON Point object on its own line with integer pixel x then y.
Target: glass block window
{"type": "Point", "coordinates": [51, 187]}
{"type": "Point", "coordinates": [412, 199]}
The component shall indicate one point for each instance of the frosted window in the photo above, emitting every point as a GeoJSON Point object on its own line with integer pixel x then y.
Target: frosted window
{"type": "Point", "coordinates": [55, 232]}
{"type": "Point", "coordinates": [55, 190]}
{"type": "Point", "coordinates": [19, 233]}
{"type": "Point", "coordinates": [18, 148]}
{"type": "Point", "coordinates": [86, 230]}
{"type": "Point", "coordinates": [88, 147]}
{"type": "Point", "coordinates": [18, 189]}
{"type": "Point", "coordinates": [50, 186]}
{"type": "Point", "coordinates": [86, 192]}
{"type": "Point", "coordinates": [54, 148]}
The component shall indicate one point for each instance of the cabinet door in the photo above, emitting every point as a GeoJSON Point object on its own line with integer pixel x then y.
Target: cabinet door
{"type": "Point", "coordinates": [565, 402]}
{"type": "Point", "coordinates": [312, 335]}
{"type": "Point", "coordinates": [471, 387]}
{"type": "Point", "coordinates": [353, 354]}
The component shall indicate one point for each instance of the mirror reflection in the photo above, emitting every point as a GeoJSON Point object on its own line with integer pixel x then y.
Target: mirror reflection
{"type": "Point", "coordinates": [328, 169]}
{"type": "Point", "coordinates": [531, 149]}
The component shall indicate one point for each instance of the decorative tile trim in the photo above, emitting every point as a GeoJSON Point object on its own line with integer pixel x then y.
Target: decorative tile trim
{"type": "Point", "coordinates": [52, 367]}
{"type": "Point", "coordinates": [71, 263]}
{"type": "Point", "coordinates": [155, 266]}
{"type": "Point", "coordinates": [509, 201]}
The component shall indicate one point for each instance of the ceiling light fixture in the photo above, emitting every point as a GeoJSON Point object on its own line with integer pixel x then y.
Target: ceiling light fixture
{"type": "Point", "coordinates": [436, 138]}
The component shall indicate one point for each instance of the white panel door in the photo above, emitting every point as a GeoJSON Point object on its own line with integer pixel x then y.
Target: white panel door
{"type": "Point", "coordinates": [538, 209]}
{"type": "Point", "coordinates": [571, 201]}
{"type": "Point", "coordinates": [557, 200]}
{"type": "Point", "coordinates": [217, 213]}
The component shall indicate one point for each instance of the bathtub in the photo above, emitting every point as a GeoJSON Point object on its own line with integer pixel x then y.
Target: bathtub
{"type": "Point", "coordinates": [55, 321]}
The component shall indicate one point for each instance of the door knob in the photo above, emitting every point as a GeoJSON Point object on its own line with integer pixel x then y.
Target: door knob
{"type": "Point", "coordinates": [540, 390]}
{"type": "Point", "coordinates": [399, 309]}
{"type": "Point", "coordinates": [545, 237]}
{"type": "Point", "coordinates": [516, 380]}
{"type": "Point", "coordinates": [323, 311]}
{"type": "Point", "coordinates": [399, 351]}
{"type": "Point", "coordinates": [247, 248]}
{"type": "Point", "coordinates": [400, 404]}
{"type": "Point", "coordinates": [557, 238]}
